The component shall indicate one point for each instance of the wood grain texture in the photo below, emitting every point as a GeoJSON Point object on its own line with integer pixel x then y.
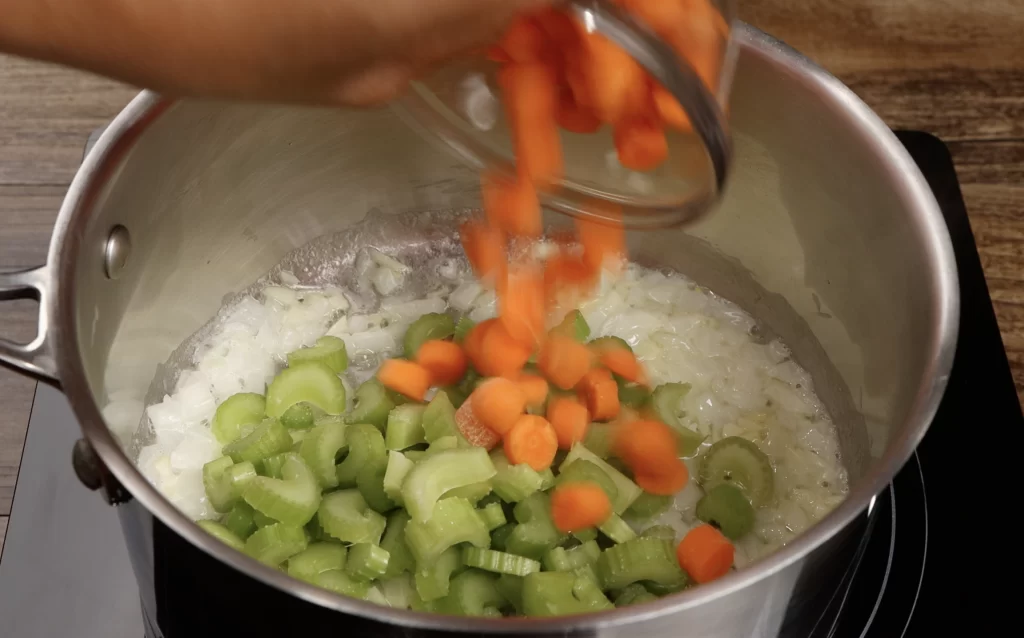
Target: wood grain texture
{"type": "Point", "coordinates": [3, 531]}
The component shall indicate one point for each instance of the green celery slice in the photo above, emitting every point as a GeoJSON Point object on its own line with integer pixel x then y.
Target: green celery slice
{"type": "Point", "coordinates": [462, 328]}
{"type": "Point", "coordinates": [427, 328]}
{"type": "Point", "coordinates": [547, 479]}
{"type": "Point", "coordinates": [513, 483]}
{"type": "Point", "coordinates": [320, 450]}
{"type": "Point", "coordinates": [240, 520]}
{"type": "Point", "coordinates": [393, 541]}
{"type": "Point", "coordinates": [499, 562]}
{"type": "Point", "coordinates": [585, 535]}
{"type": "Point", "coordinates": [536, 532]}
{"type": "Point", "coordinates": [634, 595]}
{"type": "Point", "coordinates": [587, 591]}
{"type": "Point", "coordinates": [394, 476]}
{"type": "Point", "coordinates": [328, 350]}
{"type": "Point", "coordinates": [617, 529]}
{"type": "Point", "coordinates": [648, 505]}
{"type": "Point", "coordinates": [663, 532]}
{"type": "Point", "coordinates": [370, 483]}
{"type": "Point", "coordinates": [261, 520]}
{"type": "Point", "coordinates": [599, 438]}
{"type": "Point", "coordinates": [224, 481]}
{"type": "Point", "coordinates": [367, 561]}
{"type": "Point", "coordinates": [626, 490]}
{"type": "Point", "coordinates": [440, 445]}
{"type": "Point", "coordinates": [293, 499]}
{"type": "Point", "coordinates": [492, 515]}
{"type": "Point", "coordinates": [559, 559]}
{"type": "Point", "coordinates": [739, 462]}
{"type": "Point", "coordinates": [223, 534]}
{"type": "Point", "coordinates": [574, 326]}
{"type": "Point", "coordinates": [398, 591]}
{"type": "Point", "coordinates": [588, 472]}
{"type": "Point", "coordinates": [448, 470]}
{"type": "Point", "coordinates": [372, 405]}
{"type": "Point", "coordinates": [453, 521]}
{"type": "Point", "coordinates": [726, 507]}
{"type": "Point", "coordinates": [374, 595]}
{"type": "Point", "coordinates": [267, 439]}
{"type": "Point", "coordinates": [311, 383]}
{"type": "Point", "coordinates": [316, 559]}
{"type": "Point", "coordinates": [511, 589]}
{"type": "Point", "coordinates": [432, 580]}
{"type": "Point", "coordinates": [346, 516]}
{"type": "Point", "coordinates": [365, 449]}
{"type": "Point", "coordinates": [666, 400]}
{"type": "Point", "coordinates": [474, 492]}
{"type": "Point", "coordinates": [632, 395]}
{"type": "Point", "coordinates": [439, 418]}
{"type": "Point", "coordinates": [339, 582]}
{"type": "Point", "coordinates": [610, 342]}
{"type": "Point", "coordinates": [551, 594]}
{"type": "Point", "coordinates": [236, 414]}
{"type": "Point", "coordinates": [271, 466]}
{"type": "Point", "coordinates": [301, 416]}
{"type": "Point", "coordinates": [276, 543]}
{"type": "Point", "coordinates": [500, 536]}
{"type": "Point", "coordinates": [405, 427]}
{"type": "Point", "coordinates": [640, 559]}
{"type": "Point", "coordinates": [472, 593]}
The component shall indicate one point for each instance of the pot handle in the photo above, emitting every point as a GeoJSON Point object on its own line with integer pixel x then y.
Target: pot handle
{"type": "Point", "coordinates": [34, 358]}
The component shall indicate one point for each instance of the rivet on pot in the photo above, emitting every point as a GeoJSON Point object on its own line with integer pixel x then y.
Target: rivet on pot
{"type": "Point", "coordinates": [86, 465]}
{"type": "Point", "coordinates": [115, 253]}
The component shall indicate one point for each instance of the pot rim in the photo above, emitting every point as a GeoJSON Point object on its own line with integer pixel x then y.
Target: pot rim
{"type": "Point", "coordinates": [911, 187]}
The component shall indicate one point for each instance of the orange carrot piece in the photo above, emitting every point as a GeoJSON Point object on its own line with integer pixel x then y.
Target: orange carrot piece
{"type": "Point", "coordinates": [700, 39]}
{"type": "Point", "coordinates": [705, 553]}
{"type": "Point", "coordinates": [522, 305]}
{"type": "Point", "coordinates": [473, 344]}
{"type": "Point", "coordinates": [670, 111]}
{"type": "Point", "coordinates": [534, 388]}
{"type": "Point", "coordinates": [498, 403]}
{"type": "Point", "coordinates": [495, 53]}
{"type": "Point", "coordinates": [567, 273]}
{"type": "Point", "coordinates": [485, 249]}
{"type": "Point", "coordinates": [500, 354]}
{"type": "Point", "coordinates": [564, 361]}
{"type": "Point", "coordinates": [665, 482]}
{"type": "Point", "coordinates": [574, 117]}
{"type": "Point", "coordinates": [532, 441]}
{"type": "Point", "coordinates": [511, 206]}
{"type": "Point", "coordinates": [475, 432]}
{"type": "Point", "coordinates": [557, 27]}
{"type": "Point", "coordinates": [610, 74]}
{"type": "Point", "coordinates": [405, 377]}
{"type": "Point", "coordinates": [601, 395]}
{"type": "Point", "coordinates": [530, 94]}
{"type": "Point", "coordinates": [570, 419]}
{"type": "Point", "coordinates": [602, 240]}
{"type": "Point", "coordinates": [446, 361]}
{"type": "Point", "coordinates": [623, 363]}
{"type": "Point", "coordinates": [578, 506]}
{"type": "Point", "coordinates": [646, 445]}
{"type": "Point", "coordinates": [524, 41]}
{"type": "Point", "coordinates": [641, 143]}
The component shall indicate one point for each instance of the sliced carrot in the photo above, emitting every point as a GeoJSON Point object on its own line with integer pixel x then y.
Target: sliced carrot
{"type": "Point", "coordinates": [666, 482]}
{"type": "Point", "coordinates": [611, 75]}
{"type": "Point", "coordinates": [405, 377]}
{"type": "Point", "coordinates": [485, 249]}
{"type": "Point", "coordinates": [532, 441]}
{"type": "Point", "coordinates": [662, 16]}
{"type": "Point", "coordinates": [557, 27]}
{"type": "Point", "coordinates": [705, 553]}
{"type": "Point", "coordinates": [564, 361]}
{"type": "Point", "coordinates": [495, 53]}
{"type": "Point", "coordinates": [500, 354]}
{"type": "Point", "coordinates": [473, 344]}
{"type": "Point", "coordinates": [524, 41]}
{"type": "Point", "coordinates": [523, 305]}
{"type": "Point", "coordinates": [472, 429]}
{"type": "Point", "coordinates": [601, 394]}
{"type": "Point", "coordinates": [446, 361]}
{"type": "Point", "coordinates": [511, 206]}
{"type": "Point", "coordinates": [574, 117]}
{"type": "Point", "coordinates": [578, 506]}
{"type": "Point", "coordinates": [530, 95]}
{"type": "Point", "coordinates": [670, 111]}
{"type": "Point", "coordinates": [534, 388]}
{"type": "Point", "coordinates": [646, 445]}
{"type": "Point", "coordinates": [602, 241]}
{"type": "Point", "coordinates": [641, 143]}
{"type": "Point", "coordinates": [498, 403]}
{"type": "Point", "coordinates": [570, 418]}
{"type": "Point", "coordinates": [700, 39]}
{"type": "Point", "coordinates": [623, 363]}
{"type": "Point", "coordinates": [564, 272]}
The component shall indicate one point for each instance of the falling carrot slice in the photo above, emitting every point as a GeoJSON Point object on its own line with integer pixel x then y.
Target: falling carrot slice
{"type": "Point", "coordinates": [500, 354]}
{"type": "Point", "coordinates": [641, 143]}
{"type": "Point", "coordinates": [498, 403]}
{"type": "Point", "coordinates": [524, 41]}
{"type": "Point", "coordinates": [570, 418]}
{"type": "Point", "coordinates": [602, 241]}
{"type": "Point", "coordinates": [530, 95]}
{"type": "Point", "coordinates": [574, 117]}
{"type": "Point", "coordinates": [511, 206]}
{"type": "Point", "coordinates": [534, 388]}
{"type": "Point", "coordinates": [405, 377]}
{"type": "Point", "coordinates": [473, 344]}
{"type": "Point", "coordinates": [485, 249]}
{"type": "Point", "coordinates": [665, 482]}
{"type": "Point", "coordinates": [564, 361]}
{"type": "Point", "coordinates": [578, 506]}
{"type": "Point", "coordinates": [523, 305]}
{"type": "Point", "coordinates": [531, 441]}
{"type": "Point", "coordinates": [472, 429]}
{"type": "Point", "coordinates": [705, 553]}
{"type": "Point", "coordinates": [601, 394]}
{"type": "Point", "coordinates": [670, 111]}
{"type": "Point", "coordinates": [446, 361]}
{"type": "Point", "coordinates": [610, 74]}
{"type": "Point", "coordinates": [623, 363]}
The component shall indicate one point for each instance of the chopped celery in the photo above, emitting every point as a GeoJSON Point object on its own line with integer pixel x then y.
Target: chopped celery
{"type": "Point", "coordinates": [328, 350]}
{"type": "Point", "coordinates": [472, 593]}
{"type": "Point", "coordinates": [261, 520]}
{"type": "Point", "coordinates": [648, 505]}
{"type": "Point", "coordinates": [462, 329]}
{"type": "Point", "coordinates": [375, 596]}
{"type": "Point", "coordinates": [453, 521]}
{"type": "Point", "coordinates": [610, 342]}
{"type": "Point", "coordinates": [725, 507]}
{"type": "Point", "coordinates": [432, 580]}
{"type": "Point", "coordinates": [633, 595]}
{"type": "Point", "coordinates": [587, 591]}
{"type": "Point", "coordinates": [237, 413]}
{"type": "Point", "coordinates": [367, 561]}
{"type": "Point", "coordinates": [298, 436]}
{"type": "Point", "coordinates": [439, 418]}
{"type": "Point", "coordinates": [456, 394]}
{"type": "Point", "coordinates": [276, 543]}
{"type": "Point", "coordinates": [271, 466]}
{"type": "Point", "coordinates": [431, 478]}
{"type": "Point", "coordinates": [499, 562]}
{"type": "Point", "coordinates": [663, 532]}
{"type": "Point", "coordinates": [309, 382]}
{"type": "Point", "coordinates": [547, 479]}
{"type": "Point", "coordinates": [370, 483]}
{"type": "Point", "coordinates": [398, 592]}
{"type": "Point", "coordinates": [293, 499]}
{"type": "Point", "coordinates": [664, 590]}
{"type": "Point", "coordinates": [225, 480]}
{"type": "Point", "coordinates": [223, 534]}
{"type": "Point", "coordinates": [427, 328]}
{"type": "Point", "coordinates": [500, 536]}
{"type": "Point", "coordinates": [599, 437]}
{"type": "Point", "coordinates": [316, 559]}
{"type": "Point", "coordinates": [588, 471]}
{"type": "Point", "coordinates": [640, 559]}
{"type": "Point", "coordinates": [632, 395]}
{"type": "Point", "coordinates": [574, 326]}
{"type": "Point", "coordinates": [511, 589]}
{"type": "Point", "coordinates": [667, 402]}
{"type": "Point", "coordinates": [240, 520]}
{"type": "Point", "coordinates": [551, 594]}
{"type": "Point", "coordinates": [365, 449]}
{"type": "Point", "coordinates": [320, 450]}
{"type": "Point", "coordinates": [405, 427]}
{"type": "Point", "coordinates": [440, 445]}
{"type": "Point", "coordinates": [617, 529]}
{"type": "Point", "coordinates": [513, 483]}
{"type": "Point", "coordinates": [315, 530]}
{"type": "Point", "coordinates": [558, 559]}
{"type": "Point", "coordinates": [415, 455]}
{"type": "Point", "coordinates": [492, 515]}
{"type": "Point", "coordinates": [267, 439]}
{"type": "Point", "coordinates": [585, 535]}
{"type": "Point", "coordinates": [345, 516]}
{"type": "Point", "coordinates": [626, 490]}
{"type": "Point", "coordinates": [372, 405]}
{"type": "Point", "coordinates": [474, 493]}
{"type": "Point", "coordinates": [339, 582]}
{"type": "Point", "coordinates": [300, 416]}
{"type": "Point", "coordinates": [737, 461]}
{"type": "Point", "coordinates": [393, 541]}
{"type": "Point", "coordinates": [536, 532]}
{"type": "Point", "coordinates": [397, 469]}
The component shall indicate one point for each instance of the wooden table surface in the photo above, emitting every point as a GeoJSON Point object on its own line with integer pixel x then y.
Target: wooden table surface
{"type": "Point", "coordinates": [955, 69]}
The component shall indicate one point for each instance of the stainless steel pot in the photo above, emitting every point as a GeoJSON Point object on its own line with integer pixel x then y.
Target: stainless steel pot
{"type": "Point", "coordinates": [828, 234]}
